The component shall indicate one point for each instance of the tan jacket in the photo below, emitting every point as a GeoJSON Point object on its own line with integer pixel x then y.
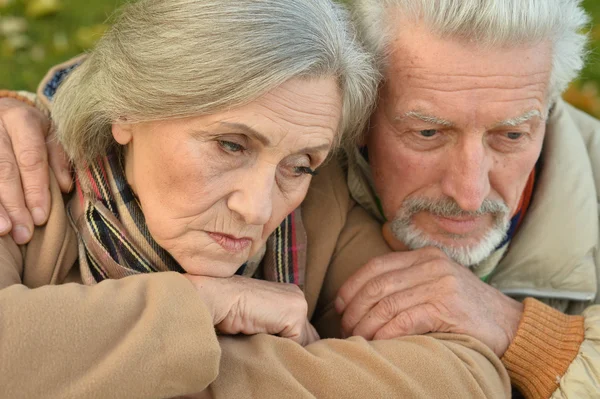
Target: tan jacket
{"type": "Point", "coordinates": [554, 257]}
{"type": "Point", "coordinates": [150, 336]}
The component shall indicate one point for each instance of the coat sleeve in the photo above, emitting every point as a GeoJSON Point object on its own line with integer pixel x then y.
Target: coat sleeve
{"type": "Point", "coordinates": [432, 366]}
{"type": "Point", "coordinates": [138, 337]}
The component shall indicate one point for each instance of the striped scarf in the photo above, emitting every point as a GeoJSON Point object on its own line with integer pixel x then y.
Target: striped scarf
{"type": "Point", "coordinates": [114, 241]}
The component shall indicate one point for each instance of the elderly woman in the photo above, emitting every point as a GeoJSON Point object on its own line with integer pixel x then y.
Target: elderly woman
{"type": "Point", "coordinates": [195, 128]}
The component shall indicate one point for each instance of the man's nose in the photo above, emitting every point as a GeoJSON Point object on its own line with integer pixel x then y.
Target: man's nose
{"type": "Point", "coordinates": [252, 198]}
{"type": "Point", "coordinates": [466, 178]}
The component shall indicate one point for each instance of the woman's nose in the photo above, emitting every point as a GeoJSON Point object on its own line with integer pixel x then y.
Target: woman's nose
{"type": "Point", "coordinates": [252, 198]}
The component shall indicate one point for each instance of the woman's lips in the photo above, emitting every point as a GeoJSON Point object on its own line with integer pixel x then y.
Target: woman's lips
{"type": "Point", "coordinates": [231, 243]}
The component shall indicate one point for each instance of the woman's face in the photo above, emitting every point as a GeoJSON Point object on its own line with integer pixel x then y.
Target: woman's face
{"type": "Point", "coordinates": [214, 187]}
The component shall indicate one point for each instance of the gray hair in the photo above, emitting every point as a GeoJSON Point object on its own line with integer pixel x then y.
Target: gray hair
{"type": "Point", "coordinates": [164, 59]}
{"type": "Point", "coordinates": [492, 23]}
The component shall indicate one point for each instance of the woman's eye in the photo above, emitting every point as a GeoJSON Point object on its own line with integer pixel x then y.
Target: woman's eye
{"type": "Point", "coordinates": [514, 135]}
{"type": "Point", "coordinates": [428, 133]}
{"type": "Point", "coordinates": [230, 146]}
{"type": "Point", "coordinates": [304, 170]}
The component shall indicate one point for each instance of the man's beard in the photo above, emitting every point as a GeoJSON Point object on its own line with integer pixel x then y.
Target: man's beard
{"type": "Point", "coordinates": [405, 230]}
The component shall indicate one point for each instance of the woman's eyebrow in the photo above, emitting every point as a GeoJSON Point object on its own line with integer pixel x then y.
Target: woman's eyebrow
{"type": "Point", "coordinates": [249, 131]}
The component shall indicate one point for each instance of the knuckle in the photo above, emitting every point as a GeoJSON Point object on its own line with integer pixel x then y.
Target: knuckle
{"type": "Point", "coordinates": [299, 305]}
{"type": "Point", "coordinates": [450, 283]}
{"type": "Point", "coordinates": [431, 267]}
{"type": "Point", "coordinates": [30, 160]}
{"type": "Point", "coordinates": [22, 113]}
{"type": "Point", "coordinates": [375, 288]}
{"type": "Point", "coordinates": [404, 322]}
{"type": "Point", "coordinates": [375, 265]}
{"type": "Point", "coordinates": [8, 170]}
{"type": "Point", "coordinates": [32, 191]}
{"type": "Point", "coordinates": [434, 252]}
{"type": "Point", "coordinates": [387, 308]}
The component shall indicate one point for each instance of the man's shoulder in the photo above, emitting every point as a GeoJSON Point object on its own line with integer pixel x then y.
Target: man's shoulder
{"type": "Point", "coordinates": [584, 122]}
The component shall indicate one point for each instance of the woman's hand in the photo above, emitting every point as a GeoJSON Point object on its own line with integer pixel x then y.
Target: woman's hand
{"type": "Point", "coordinates": [241, 305]}
{"type": "Point", "coordinates": [25, 156]}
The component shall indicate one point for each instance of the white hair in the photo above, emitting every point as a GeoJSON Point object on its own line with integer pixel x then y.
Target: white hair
{"type": "Point", "coordinates": [165, 59]}
{"type": "Point", "coordinates": [491, 23]}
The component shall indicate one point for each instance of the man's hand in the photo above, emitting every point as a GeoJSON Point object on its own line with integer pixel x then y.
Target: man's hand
{"type": "Point", "coordinates": [422, 291]}
{"type": "Point", "coordinates": [24, 176]}
{"type": "Point", "coordinates": [241, 305]}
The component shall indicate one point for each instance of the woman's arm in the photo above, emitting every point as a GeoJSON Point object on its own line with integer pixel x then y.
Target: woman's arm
{"type": "Point", "coordinates": [139, 337]}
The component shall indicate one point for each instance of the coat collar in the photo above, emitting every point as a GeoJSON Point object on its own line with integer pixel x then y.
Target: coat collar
{"type": "Point", "coordinates": [552, 254]}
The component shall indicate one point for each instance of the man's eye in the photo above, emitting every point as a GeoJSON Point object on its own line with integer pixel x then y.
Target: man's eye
{"type": "Point", "coordinates": [428, 133]}
{"type": "Point", "coordinates": [304, 170]}
{"type": "Point", "coordinates": [514, 135]}
{"type": "Point", "coordinates": [230, 146]}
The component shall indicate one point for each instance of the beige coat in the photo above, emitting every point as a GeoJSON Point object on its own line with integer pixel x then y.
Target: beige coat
{"type": "Point", "coordinates": [150, 336]}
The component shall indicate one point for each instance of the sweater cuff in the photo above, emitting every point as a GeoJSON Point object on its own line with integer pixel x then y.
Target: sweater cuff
{"type": "Point", "coordinates": [546, 343]}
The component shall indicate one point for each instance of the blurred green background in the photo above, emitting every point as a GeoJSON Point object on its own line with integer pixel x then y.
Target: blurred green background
{"type": "Point", "coordinates": [36, 34]}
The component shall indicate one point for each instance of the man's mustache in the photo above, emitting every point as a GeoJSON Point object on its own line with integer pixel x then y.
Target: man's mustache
{"type": "Point", "coordinates": [447, 207]}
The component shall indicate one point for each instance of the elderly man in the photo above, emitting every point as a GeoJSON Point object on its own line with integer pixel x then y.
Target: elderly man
{"type": "Point", "coordinates": [472, 151]}
{"type": "Point", "coordinates": [484, 182]}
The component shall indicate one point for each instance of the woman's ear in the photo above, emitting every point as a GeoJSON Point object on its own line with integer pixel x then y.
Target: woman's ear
{"type": "Point", "coordinates": [122, 132]}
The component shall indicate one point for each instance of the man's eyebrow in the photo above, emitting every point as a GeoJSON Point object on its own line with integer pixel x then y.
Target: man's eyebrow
{"type": "Point", "coordinates": [248, 130]}
{"type": "Point", "coordinates": [519, 120]}
{"type": "Point", "coordinates": [425, 118]}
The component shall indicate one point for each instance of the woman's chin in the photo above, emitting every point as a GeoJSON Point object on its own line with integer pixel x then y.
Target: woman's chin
{"type": "Point", "coordinates": [214, 265]}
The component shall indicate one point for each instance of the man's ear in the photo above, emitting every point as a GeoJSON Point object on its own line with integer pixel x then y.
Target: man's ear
{"type": "Point", "coordinates": [122, 132]}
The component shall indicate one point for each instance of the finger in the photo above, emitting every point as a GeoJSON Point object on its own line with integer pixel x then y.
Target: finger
{"type": "Point", "coordinates": [378, 288]}
{"type": "Point", "coordinates": [423, 271]}
{"type": "Point", "coordinates": [388, 308]}
{"type": "Point", "coordinates": [413, 321]}
{"type": "Point", "coordinates": [11, 192]}
{"type": "Point", "coordinates": [378, 266]}
{"type": "Point", "coordinates": [27, 130]}
{"type": "Point", "coordinates": [311, 334]}
{"type": "Point", "coordinates": [59, 162]}
{"type": "Point", "coordinates": [5, 225]}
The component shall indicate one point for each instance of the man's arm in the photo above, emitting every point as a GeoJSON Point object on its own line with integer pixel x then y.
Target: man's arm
{"type": "Point", "coordinates": [26, 151]}
{"type": "Point", "coordinates": [436, 366]}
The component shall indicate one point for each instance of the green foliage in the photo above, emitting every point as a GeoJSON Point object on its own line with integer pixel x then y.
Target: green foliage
{"type": "Point", "coordinates": [37, 34]}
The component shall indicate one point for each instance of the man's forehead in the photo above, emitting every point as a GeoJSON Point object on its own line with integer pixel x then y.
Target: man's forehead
{"type": "Point", "coordinates": [414, 50]}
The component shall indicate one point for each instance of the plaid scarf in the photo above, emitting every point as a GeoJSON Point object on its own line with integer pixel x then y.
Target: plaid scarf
{"type": "Point", "coordinates": [114, 241]}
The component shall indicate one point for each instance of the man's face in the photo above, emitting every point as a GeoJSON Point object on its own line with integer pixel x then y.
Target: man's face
{"type": "Point", "coordinates": [457, 133]}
